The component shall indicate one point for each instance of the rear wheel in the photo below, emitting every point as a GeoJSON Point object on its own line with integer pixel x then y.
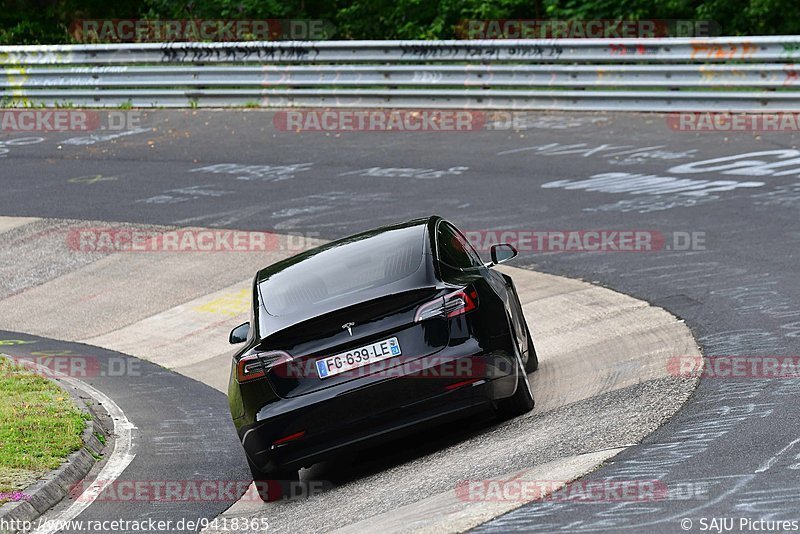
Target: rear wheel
{"type": "Point", "coordinates": [532, 361]}
{"type": "Point", "coordinates": [275, 485]}
{"type": "Point", "coordinates": [521, 401]}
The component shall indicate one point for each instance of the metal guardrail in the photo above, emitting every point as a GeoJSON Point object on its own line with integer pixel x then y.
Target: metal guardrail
{"type": "Point", "coordinates": [721, 73]}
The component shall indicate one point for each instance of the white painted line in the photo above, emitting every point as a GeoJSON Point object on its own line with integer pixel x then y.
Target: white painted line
{"type": "Point", "coordinates": [766, 465]}
{"type": "Point", "coordinates": [120, 458]}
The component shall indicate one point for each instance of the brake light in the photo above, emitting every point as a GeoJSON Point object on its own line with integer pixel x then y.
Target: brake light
{"type": "Point", "coordinates": [450, 305]}
{"type": "Point", "coordinates": [287, 439]}
{"type": "Point", "coordinates": [471, 381]}
{"type": "Point", "coordinates": [253, 366]}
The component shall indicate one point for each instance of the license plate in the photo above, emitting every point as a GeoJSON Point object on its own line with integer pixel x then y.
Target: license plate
{"type": "Point", "coordinates": [353, 359]}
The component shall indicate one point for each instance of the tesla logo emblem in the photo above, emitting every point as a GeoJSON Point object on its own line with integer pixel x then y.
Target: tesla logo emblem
{"type": "Point", "coordinates": [348, 327]}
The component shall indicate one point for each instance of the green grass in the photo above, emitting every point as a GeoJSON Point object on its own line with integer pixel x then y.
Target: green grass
{"type": "Point", "coordinates": [39, 426]}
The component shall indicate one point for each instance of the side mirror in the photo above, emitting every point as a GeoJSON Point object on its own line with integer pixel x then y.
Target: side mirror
{"type": "Point", "coordinates": [502, 253]}
{"type": "Point", "coordinates": [239, 334]}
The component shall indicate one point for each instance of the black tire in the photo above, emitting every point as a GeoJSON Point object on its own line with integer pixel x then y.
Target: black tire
{"type": "Point", "coordinates": [275, 485]}
{"type": "Point", "coordinates": [520, 402]}
{"type": "Point", "coordinates": [532, 363]}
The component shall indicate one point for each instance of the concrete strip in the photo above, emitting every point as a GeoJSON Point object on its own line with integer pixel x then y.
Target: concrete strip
{"type": "Point", "coordinates": [191, 339]}
{"type": "Point", "coordinates": [187, 334]}
{"type": "Point", "coordinates": [7, 223]}
{"type": "Point", "coordinates": [603, 340]}
{"type": "Point", "coordinates": [451, 511]}
{"type": "Point", "coordinates": [126, 287]}
{"type": "Point", "coordinates": [35, 253]}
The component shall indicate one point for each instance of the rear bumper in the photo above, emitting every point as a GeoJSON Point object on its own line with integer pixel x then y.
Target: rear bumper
{"type": "Point", "coordinates": [444, 386]}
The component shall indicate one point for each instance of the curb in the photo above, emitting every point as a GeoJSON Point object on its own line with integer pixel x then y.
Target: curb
{"type": "Point", "coordinates": [56, 485]}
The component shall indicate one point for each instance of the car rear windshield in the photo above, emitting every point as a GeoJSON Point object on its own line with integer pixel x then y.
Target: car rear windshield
{"type": "Point", "coordinates": [355, 266]}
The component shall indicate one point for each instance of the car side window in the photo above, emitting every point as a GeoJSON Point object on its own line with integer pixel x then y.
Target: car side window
{"type": "Point", "coordinates": [454, 250]}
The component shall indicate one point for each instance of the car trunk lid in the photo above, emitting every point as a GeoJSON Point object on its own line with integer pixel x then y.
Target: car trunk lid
{"type": "Point", "coordinates": [384, 327]}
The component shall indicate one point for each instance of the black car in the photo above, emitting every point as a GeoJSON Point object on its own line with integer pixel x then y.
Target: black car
{"type": "Point", "coordinates": [372, 335]}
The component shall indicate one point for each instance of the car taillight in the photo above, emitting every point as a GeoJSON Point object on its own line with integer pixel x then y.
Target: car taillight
{"type": "Point", "coordinates": [252, 366]}
{"type": "Point", "coordinates": [286, 439]}
{"type": "Point", "coordinates": [450, 305]}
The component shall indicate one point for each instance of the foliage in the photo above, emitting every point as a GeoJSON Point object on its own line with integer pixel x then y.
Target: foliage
{"type": "Point", "coordinates": [48, 21]}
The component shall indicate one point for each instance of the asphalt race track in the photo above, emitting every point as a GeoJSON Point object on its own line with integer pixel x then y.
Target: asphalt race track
{"type": "Point", "coordinates": [730, 452]}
